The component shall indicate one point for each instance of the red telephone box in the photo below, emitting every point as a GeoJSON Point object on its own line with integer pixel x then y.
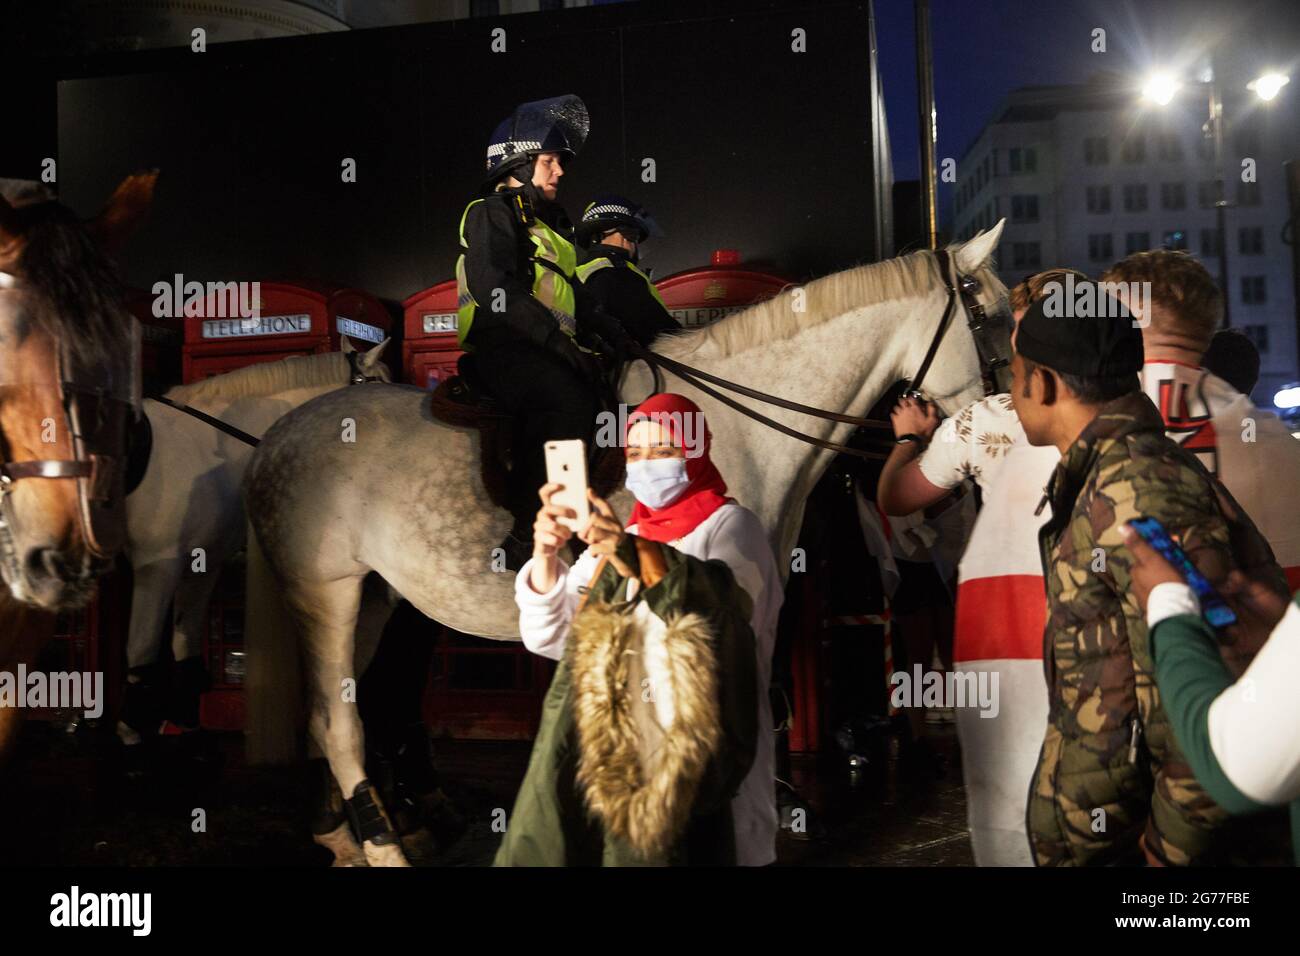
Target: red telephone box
{"type": "Point", "coordinates": [429, 349]}
{"type": "Point", "coordinates": [292, 319]}
{"type": "Point", "coordinates": [360, 316]}
{"type": "Point", "coordinates": [702, 296]}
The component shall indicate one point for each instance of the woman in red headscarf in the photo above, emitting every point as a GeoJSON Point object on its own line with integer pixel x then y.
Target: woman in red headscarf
{"type": "Point", "coordinates": [681, 502]}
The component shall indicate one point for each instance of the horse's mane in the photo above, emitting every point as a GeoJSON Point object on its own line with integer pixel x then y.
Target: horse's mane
{"type": "Point", "coordinates": [267, 378]}
{"type": "Point", "coordinates": [77, 294]}
{"type": "Point", "coordinates": [824, 299]}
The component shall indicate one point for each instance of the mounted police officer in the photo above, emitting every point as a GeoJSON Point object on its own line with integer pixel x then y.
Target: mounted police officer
{"type": "Point", "coordinates": [521, 311]}
{"type": "Point", "coordinates": [611, 231]}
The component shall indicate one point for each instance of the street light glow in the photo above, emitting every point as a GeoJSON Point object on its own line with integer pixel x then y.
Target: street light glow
{"type": "Point", "coordinates": [1268, 85]}
{"type": "Point", "coordinates": [1160, 88]}
{"type": "Point", "coordinates": [1288, 397]}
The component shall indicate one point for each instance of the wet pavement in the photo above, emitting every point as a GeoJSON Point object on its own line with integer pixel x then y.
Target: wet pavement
{"type": "Point", "coordinates": [67, 799]}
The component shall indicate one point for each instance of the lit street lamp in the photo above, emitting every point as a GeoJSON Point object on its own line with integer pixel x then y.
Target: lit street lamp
{"type": "Point", "coordinates": [1160, 89]}
{"type": "Point", "coordinates": [1268, 85]}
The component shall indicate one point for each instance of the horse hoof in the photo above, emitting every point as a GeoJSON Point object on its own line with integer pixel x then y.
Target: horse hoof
{"type": "Point", "coordinates": [340, 842]}
{"type": "Point", "coordinates": [390, 854]}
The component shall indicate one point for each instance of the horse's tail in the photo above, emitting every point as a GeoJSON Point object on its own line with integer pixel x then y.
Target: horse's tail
{"type": "Point", "coordinates": [274, 682]}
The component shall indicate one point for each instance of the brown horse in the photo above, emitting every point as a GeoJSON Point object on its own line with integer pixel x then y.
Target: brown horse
{"type": "Point", "coordinates": [23, 630]}
{"type": "Point", "coordinates": [68, 367]}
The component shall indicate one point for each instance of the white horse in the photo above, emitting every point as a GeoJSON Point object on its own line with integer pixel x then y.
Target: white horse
{"type": "Point", "coordinates": [186, 517]}
{"type": "Point", "coordinates": [364, 479]}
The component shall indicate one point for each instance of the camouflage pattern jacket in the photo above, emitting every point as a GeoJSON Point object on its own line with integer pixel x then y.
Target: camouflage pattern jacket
{"type": "Point", "coordinates": [1110, 773]}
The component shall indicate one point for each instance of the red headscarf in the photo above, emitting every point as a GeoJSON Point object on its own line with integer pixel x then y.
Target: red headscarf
{"type": "Point", "coordinates": [706, 493]}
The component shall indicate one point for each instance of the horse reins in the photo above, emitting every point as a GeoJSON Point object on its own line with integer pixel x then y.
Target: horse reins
{"type": "Point", "coordinates": [356, 376]}
{"type": "Point", "coordinates": [207, 419]}
{"type": "Point", "coordinates": [965, 289]}
{"type": "Point", "coordinates": [695, 377]}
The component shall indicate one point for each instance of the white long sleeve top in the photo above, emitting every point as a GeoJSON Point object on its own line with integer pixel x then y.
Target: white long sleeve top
{"type": "Point", "coordinates": [1252, 724]}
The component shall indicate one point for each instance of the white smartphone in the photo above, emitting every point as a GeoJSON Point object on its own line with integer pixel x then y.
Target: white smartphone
{"type": "Point", "coordinates": [566, 464]}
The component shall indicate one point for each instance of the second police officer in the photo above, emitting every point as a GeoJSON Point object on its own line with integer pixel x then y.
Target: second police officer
{"type": "Point", "coordinates": [611, 232]}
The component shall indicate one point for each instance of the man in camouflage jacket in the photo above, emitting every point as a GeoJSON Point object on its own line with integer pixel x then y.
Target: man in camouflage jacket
{"type": "Point", "coordinates": [1111, 785]}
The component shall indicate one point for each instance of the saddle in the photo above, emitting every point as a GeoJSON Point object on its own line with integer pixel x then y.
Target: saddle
{"type": "Point", "coordinates": [463, 401]}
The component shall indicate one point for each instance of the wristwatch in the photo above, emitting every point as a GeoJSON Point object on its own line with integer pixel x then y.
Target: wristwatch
{"type": "Point", "coordinates": [909, 437]}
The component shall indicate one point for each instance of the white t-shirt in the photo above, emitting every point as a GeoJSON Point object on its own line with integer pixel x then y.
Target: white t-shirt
{"type": "Point", "coordinates": [974, 443]}
{"type": "Point", "coordinates": [734, 535]}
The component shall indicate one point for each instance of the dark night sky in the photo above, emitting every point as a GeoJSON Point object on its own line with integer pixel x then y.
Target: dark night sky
{"type": "Point", "coordinates": [983, 49]}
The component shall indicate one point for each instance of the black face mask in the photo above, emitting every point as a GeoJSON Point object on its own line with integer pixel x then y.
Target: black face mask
{"type": "Point", "coordinates": [634, 254]}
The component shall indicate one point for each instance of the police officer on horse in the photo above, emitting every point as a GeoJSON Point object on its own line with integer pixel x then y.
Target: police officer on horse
{"type": "Point", "coordinates": [611, 232]}
{"type": "Point", "coordinates": [521, 310]}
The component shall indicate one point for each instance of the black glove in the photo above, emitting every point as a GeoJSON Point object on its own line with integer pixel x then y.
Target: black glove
{"type": "Point", "coordinates": [613, 340]}
{"type": "Point", "coordinates": [561, 345]}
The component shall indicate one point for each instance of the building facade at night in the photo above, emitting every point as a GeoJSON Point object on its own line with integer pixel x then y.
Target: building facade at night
{"type": "Point", "coordinates": [1086, 174]}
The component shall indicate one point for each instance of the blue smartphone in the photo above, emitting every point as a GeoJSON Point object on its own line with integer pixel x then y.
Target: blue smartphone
{"type": "Point", "coordinates": [1213, 608]}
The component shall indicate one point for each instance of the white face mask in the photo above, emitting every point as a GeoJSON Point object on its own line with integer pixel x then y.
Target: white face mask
{"type": "Point", "coordinates": [657, 482]}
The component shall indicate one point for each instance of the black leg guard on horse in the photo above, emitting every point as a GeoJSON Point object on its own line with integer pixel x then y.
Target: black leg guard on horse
{"type": "Point", "coordinates": [369, 819]}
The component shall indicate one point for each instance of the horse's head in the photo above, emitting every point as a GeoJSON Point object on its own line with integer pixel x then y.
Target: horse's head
{"type": "Point", "coordinates": [954, 379]}
{"type": "Point", "coordinates": [368, 365]}
{"type": "Point", "coordinates": [69, 388]}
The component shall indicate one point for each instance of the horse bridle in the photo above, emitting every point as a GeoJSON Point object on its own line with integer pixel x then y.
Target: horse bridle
{"type": "Point", "coordinates": [963, 290]}
{"type": "Point", "coordinates": [991, 363]}
{"type": "Point", "coordinates": [99, 471]}
{"type": "Point", "coordinates": [356, 374]}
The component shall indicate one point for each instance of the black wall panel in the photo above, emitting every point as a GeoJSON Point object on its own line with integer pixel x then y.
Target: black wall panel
{"type": "Point", "coordinates": [756, 147]}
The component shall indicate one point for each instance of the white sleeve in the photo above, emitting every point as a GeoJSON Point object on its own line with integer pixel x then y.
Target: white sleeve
{"type": "Point", "coordinates": [945, 463]}
{"type": "Point", "coordinates": [1169, 599]}
{"type": "Point", "coordinates": [544, 619]}
{"type": "Point", "coordinates": [1253, 724]}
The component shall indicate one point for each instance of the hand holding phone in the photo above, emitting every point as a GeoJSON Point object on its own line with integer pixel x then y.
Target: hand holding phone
{"type": "Point", "coordinates": [1214, 608]}
{"type": "Point", "coordinates": [566, 465]}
